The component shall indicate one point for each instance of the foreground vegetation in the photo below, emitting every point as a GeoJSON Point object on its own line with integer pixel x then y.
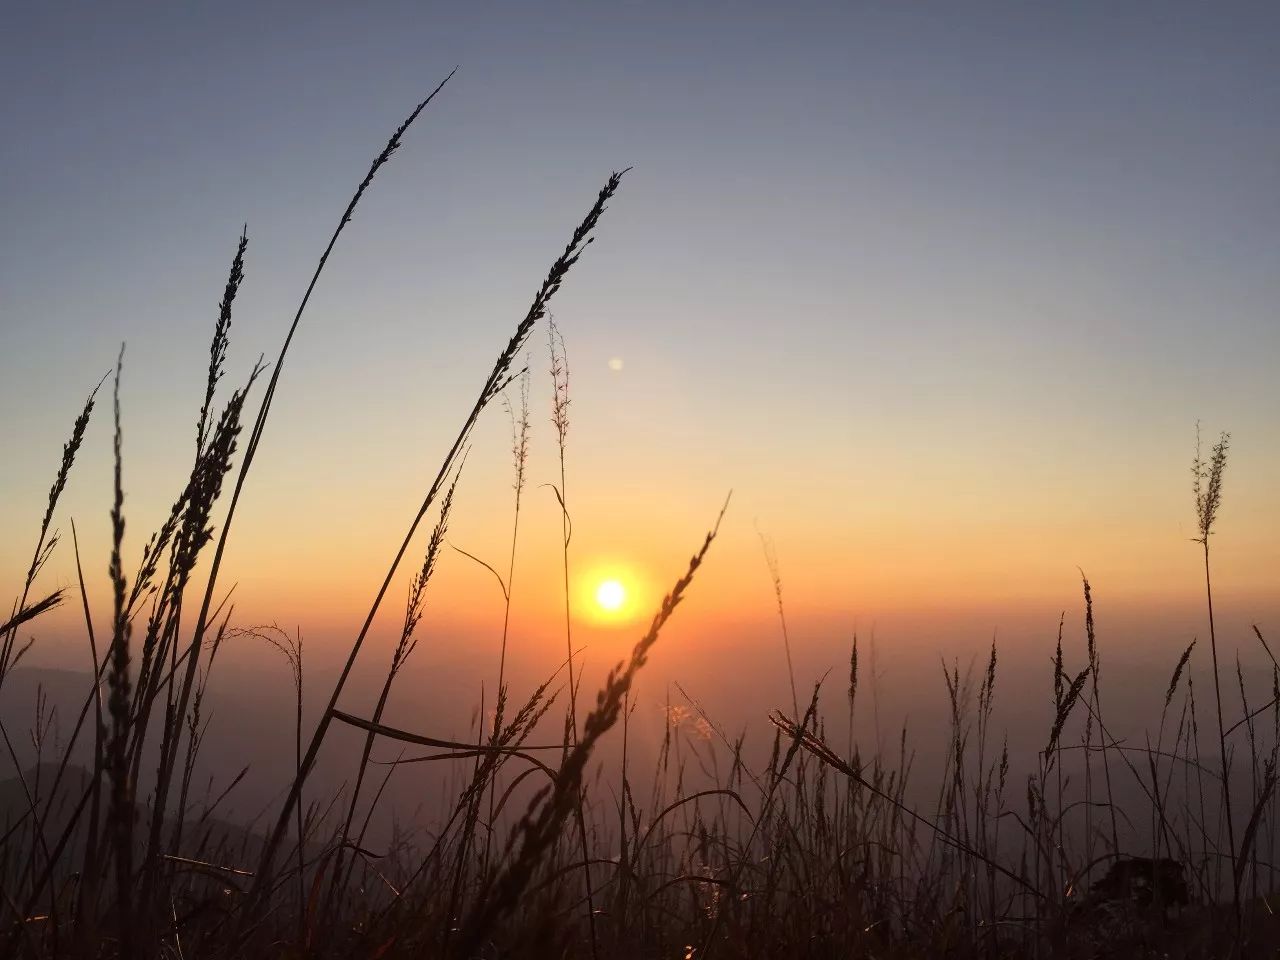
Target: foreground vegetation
{"type": "Point", "coordinates": [1104, 849]}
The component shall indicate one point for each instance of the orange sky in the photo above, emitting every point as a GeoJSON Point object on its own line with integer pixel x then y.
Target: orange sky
{"type": "Point", "coordinates": [950, 551]}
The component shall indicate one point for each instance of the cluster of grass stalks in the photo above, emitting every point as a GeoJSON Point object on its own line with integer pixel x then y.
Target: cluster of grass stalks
{"type": "Point", "coordinates": [810, 852]}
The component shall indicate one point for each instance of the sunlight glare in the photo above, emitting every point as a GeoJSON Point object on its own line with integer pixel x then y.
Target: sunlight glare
{"type": "Point", "coordinates": [610, 595]}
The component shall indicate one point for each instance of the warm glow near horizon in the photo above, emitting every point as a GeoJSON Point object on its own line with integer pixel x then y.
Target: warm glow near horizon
{"type": "Point", "coordinates": [611, 593]}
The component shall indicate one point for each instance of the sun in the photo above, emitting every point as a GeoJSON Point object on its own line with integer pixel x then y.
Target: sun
{"type": "Point", "coordinates": [611, 595]}
{"type": "Point", "coordinates": [611, 592]}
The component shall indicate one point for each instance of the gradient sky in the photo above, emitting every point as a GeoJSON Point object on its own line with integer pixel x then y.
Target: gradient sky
{"type": "Point", "coordinates": [939, 290]}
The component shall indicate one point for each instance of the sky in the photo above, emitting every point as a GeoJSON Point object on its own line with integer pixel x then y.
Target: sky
{"type": "Point", "coordinates": [939, 291]}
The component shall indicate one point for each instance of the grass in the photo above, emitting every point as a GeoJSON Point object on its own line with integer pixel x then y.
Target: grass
{"type": "Point", "coordinates": [1105, 848]}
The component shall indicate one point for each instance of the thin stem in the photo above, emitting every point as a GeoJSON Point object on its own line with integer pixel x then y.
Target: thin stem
{"type": "Point", "coordinates": [1217, 696]}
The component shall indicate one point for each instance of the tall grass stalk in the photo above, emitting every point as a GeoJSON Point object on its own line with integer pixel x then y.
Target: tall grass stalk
{"type": "Point", "coordinates": [775, 576]}
{"type": "Point", "coordinates": [405, 646]}
{"type": "Point", "coordinates": [121, 812]}
{"type": "Point", "coordinates": [520, 462]}
{"type": "Point", "coordinates": [1095, 664]}
{"type": "Point", "coordinates": [560, 401]}
{"type": "Point", "coordinates": [1207, 487]}
{"type": "Point", "coordinates": [22, 611]}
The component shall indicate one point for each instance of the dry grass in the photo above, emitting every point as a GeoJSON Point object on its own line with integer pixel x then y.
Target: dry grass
{"type": "Point", "coordinates": [1108, 848]}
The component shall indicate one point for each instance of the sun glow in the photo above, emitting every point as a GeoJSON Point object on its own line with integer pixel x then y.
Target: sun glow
{"type": "Point", "coordinates": [611, 595]}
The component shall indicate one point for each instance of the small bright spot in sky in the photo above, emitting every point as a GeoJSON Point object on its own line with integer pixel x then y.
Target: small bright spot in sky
{"type": "Point", "coordinates": [610, 595]}
{"type": "Point", "coordinates": [615, 364]}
